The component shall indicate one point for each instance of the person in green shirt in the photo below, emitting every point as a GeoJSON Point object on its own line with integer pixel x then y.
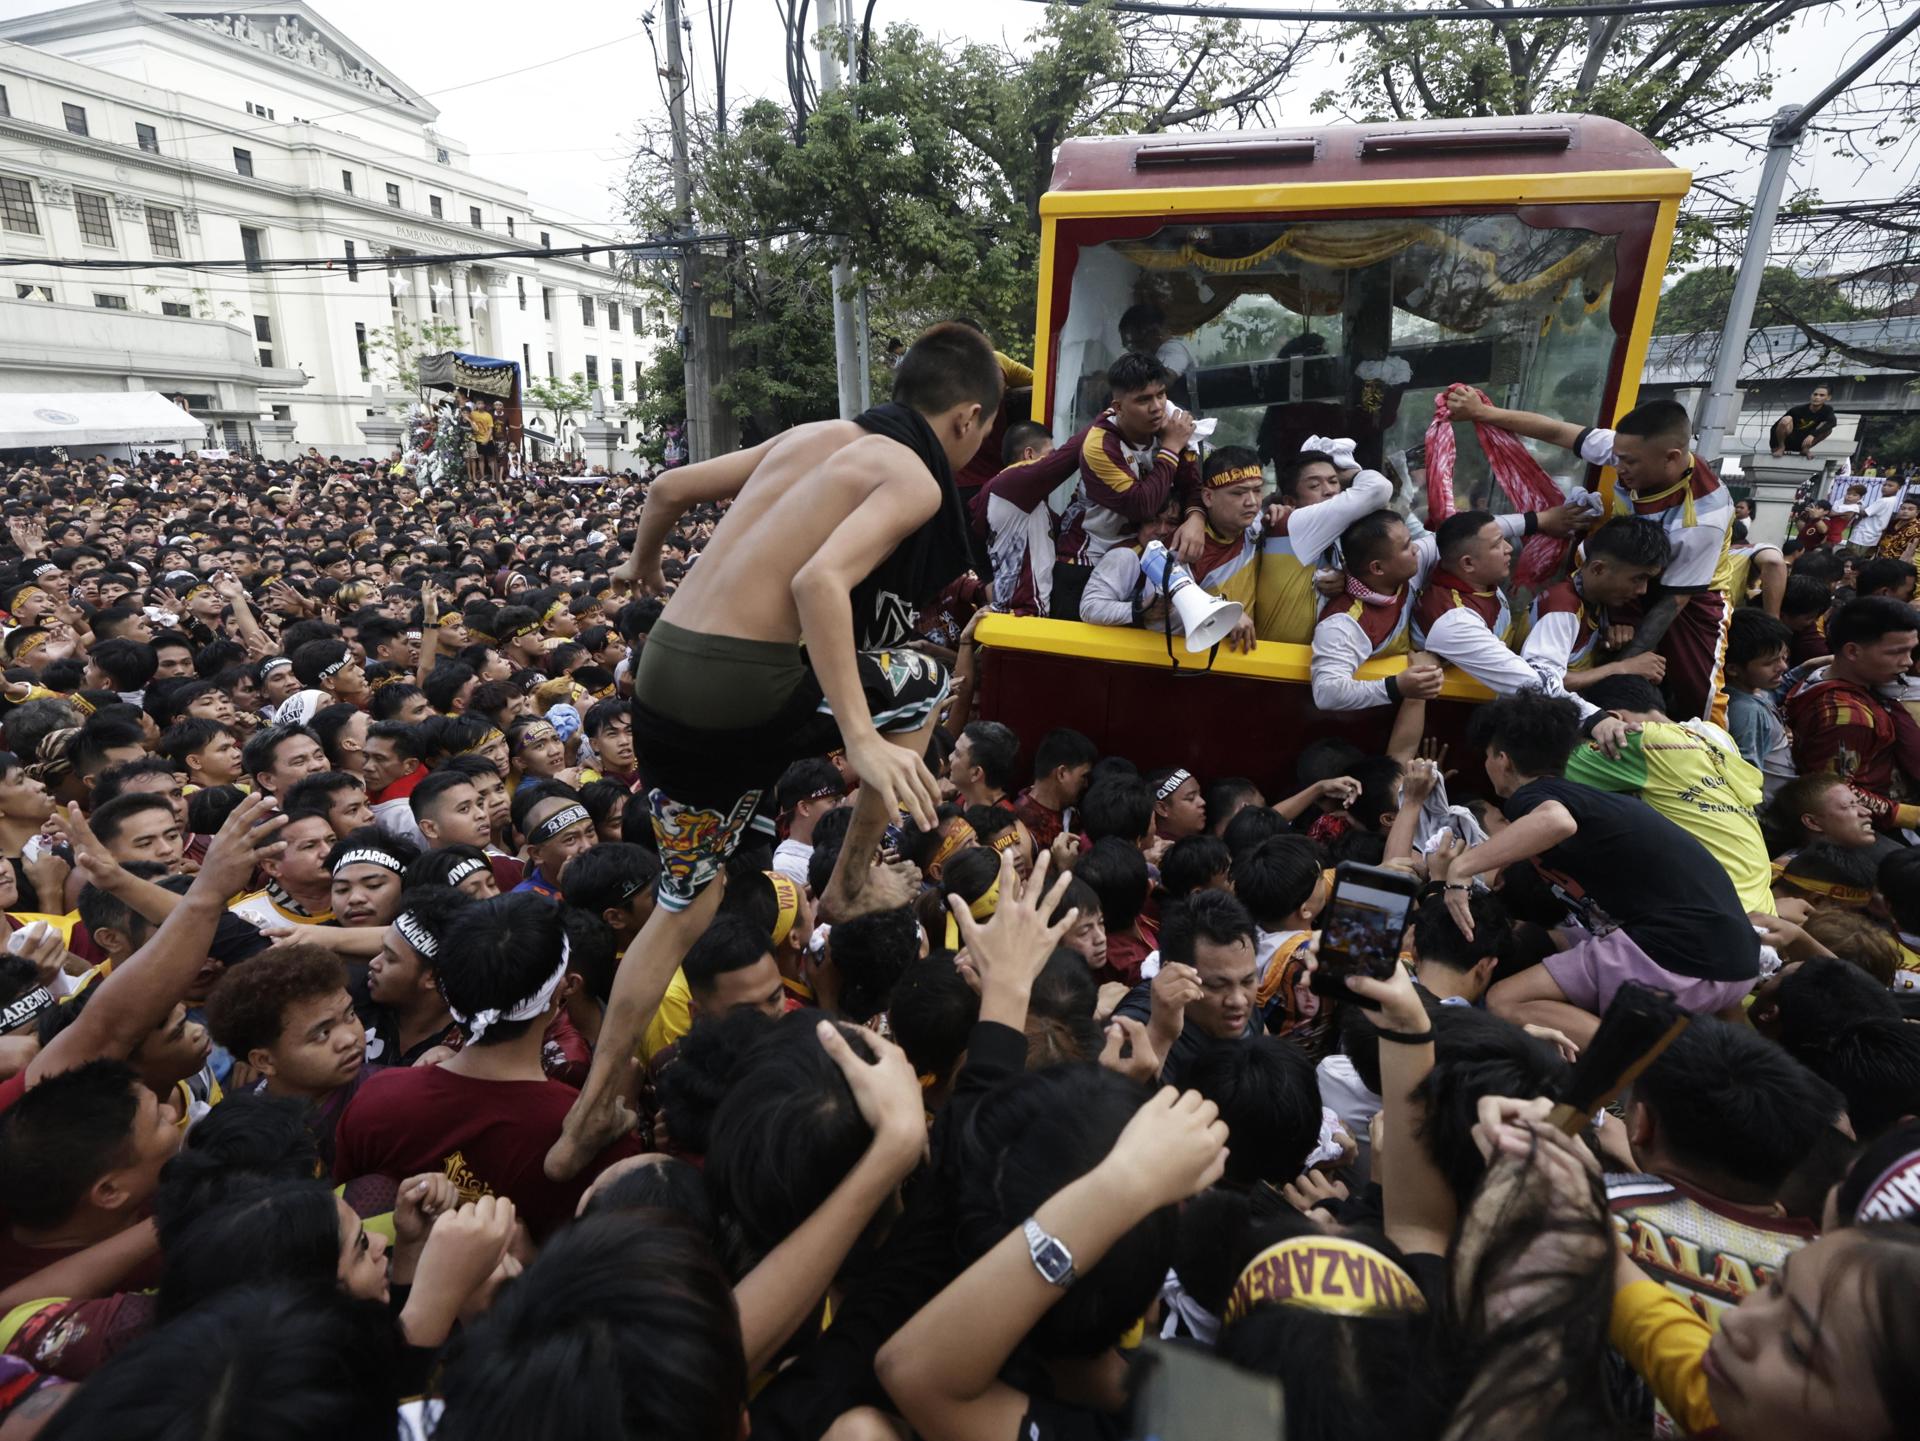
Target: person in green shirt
{"type": "Point", "coordinates": [1692, 773]}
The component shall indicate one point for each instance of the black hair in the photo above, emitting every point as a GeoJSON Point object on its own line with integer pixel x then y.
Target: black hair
{"type": "Point", "coordinates": [188, 736]}
{"type": "Point", "coordinates": [932, 1014]}
{"type": "Point", "coordinates": [433, 867]}
{"type": "Point", "coordinates": [434, 785]}
{"type": "Point", "coordinates": [871, 953]}
{"type": "Point", "coordinates": [729, 943]}
{"type": "Point", "coordinates": [1117, 873]}
{"type": "Point", "coordinates": [111, 783]}
{"type": "Point", "coordinates": [256, 758]}
{"type": "Point", "coordinates": [1133, 372]}
{"type": "Point", "coordinates": [312, 659]}
{"type": "Point", "coordinates": [1460, 530]}
{"type": "Point", "coordinates": [285, 1231]}
{"type": "Point", "coordinates": [665, 1184]}
{"type": "Point", "coordinates": [1657, 420]}
{"type": "Point", "coordinates": [1191, 864]}
{"type": "Point", "coordinates": [63, 1135]}
{"type": "Point", "coordinates": [1253, 826]}
{"type": "Point", "coordinates": [97, 737]}
{"type": "Point", "coordinates": [803, 778]}
{"type": "Point", "coordinates": [1224, 797]}
{"type": "Point", "coordinates": [603, 875]}
{"type": "Point", "coordinates": [1622, 692]}
{"type": "Point", "coordinates": [1020, 435]}
{"type": "Point", "coordinates": [1752, 633]}
{"type": "Point", "coordinates": [1287, 470]}
{"type": "Point", "coordinates": [1883, 572]}
{"type": "Point", "coordinates": [1022, 1142]}
{"type": "Point", "coordinates": [387, 699]}
{"type": "Point", "coordinates": [532, 793]}
{"type": "Point", "coordinates": [1476, 1054]}
{"type": "Point", "coordinates": [1276, 877]}
{"type": "Point", "coordinates": [948, 365]}
{"type": "Point", "coordinates": [577, 1345]}
{"type": "Point", "coordinates": [208, 808]}
{"type": "Point", "coordinates": [591, 951]}
{"type": "Point", "coordinates": [1229, 457]}
{"type": "Point", "coordinates": [249, 1138]}
{"type": "Point", "coordinates": [1120, 808]}
{"type": "Point", "coordinates": [509, 945]}
{"type": "Point", "coordinates": [1733, 1108]}
{"type": "Point", "coordinates": [282, 1361]}
{"type": "Point", "coordinates": [1062, 746]}
{"type": "Point", "coordinates": [1365, 540]}
{"type": "Point", "coordinates": [1875, 1063]}
{"type": "Point", "coordinates": [1270, 1099]}
{"type": "Point", "coordinates": [1631, 540]}
{"type": "Point", "coordinates": [996, 750]}
{"type": "Point", "coordinates": [1898, 880]}
{"type": "Point", "coordinates": [127, 664]}
{"type": "Point", "coordinates": [1867, 618]}
{"type": "Point", "coordinates": [108, 819]}
{"type": "Point", "coordinates": [1213, 916]}
{"type": "Point", "coordinates": [1535, 731]}
{"type": "Point", "coordinates": [786, 1133]}
{"type": "Point", "coordinates": [1437, 937]}
{"type": "Point", "coordinates": [444, 682]}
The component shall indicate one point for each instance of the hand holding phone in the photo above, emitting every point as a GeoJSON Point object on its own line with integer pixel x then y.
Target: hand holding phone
{"type": "Point", "coordinates": [1361, 929]}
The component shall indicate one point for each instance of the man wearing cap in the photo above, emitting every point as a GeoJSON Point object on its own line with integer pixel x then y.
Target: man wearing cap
{"type": "Point", "coordinates": [558, 828]}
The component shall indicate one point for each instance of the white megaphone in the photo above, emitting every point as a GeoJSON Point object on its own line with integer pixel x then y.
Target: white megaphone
{"type": "Point", "coordinates": [1206, 619]}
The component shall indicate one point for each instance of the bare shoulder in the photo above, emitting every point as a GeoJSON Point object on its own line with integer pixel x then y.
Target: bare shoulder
{"type": "Point", "coordinates": [875, 460]}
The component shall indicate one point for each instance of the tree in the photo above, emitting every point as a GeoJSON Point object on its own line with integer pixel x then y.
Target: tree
{"type": "Point", "coordinates": [1698, 300]}
{"type": "Point", "coordinates": [400, 349]}
{"type": "Point", "coordinates": [561, 399]}
{"type": "Point", "coordinates": [929, 166]}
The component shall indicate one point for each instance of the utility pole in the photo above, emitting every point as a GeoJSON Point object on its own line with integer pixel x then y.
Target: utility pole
{"type": "Point", "coordinates": [846, 322]}
{"type": "Point", "coordinates": [702, 336]}
{"type": "Point", "coordinates": [1717, 410]}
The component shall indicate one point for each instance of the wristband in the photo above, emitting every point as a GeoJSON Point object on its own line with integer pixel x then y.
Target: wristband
{"type": "Point", "coordinates": [1393, 689]}
{"type": "Point", "coordinates": [1456, 885]}
{"type": "Point", "coordinates": [1407, 1038]}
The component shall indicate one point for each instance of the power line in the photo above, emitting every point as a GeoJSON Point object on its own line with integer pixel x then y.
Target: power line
{"type": "Point", "coordinates": [1406, 17]}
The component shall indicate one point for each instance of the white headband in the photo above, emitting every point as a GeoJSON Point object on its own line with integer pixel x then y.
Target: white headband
{"type": "Point", "coordinates": [1171, 784]}
{"type": "Point", "coordinates": [532, 1007]}
{"type": "Point", "coordinates": [368, 855]}
{"type": "Point", "coordinates": [416, 935]}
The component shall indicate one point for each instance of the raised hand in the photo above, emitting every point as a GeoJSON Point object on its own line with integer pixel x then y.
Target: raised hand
{"type": "Point", "coordinates": [249, 836]}
{"type": "Point", "coordinates": [887, 1092]}
{"type": "Point", "coordinates": [899, 778]}
{"type": "Point", "coordinates": [1174, 1147]}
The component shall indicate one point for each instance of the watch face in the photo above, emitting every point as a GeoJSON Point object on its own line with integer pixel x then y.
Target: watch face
{"type": "Point", "coordinates": [1054, 1262]}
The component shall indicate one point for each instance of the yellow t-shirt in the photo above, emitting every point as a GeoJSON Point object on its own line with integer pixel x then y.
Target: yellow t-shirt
{"type": "Point", "coordinates": [1663, 1340]}
{"type": "Point", "coordinates": [1694, 775]}
{"type": "Point", "coordinates": [482, 423]}
{"type": "Point", "coordinates": [673, 1020]}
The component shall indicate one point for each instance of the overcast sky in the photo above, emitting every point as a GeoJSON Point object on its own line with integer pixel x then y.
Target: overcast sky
{"type": "Point", "coordinates": [562, 131]}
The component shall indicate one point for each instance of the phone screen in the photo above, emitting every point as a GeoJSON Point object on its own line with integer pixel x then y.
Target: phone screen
{"type": "Point", "coordinates": [1361, 929]}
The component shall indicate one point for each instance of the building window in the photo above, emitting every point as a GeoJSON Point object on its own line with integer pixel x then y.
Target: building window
{"type": "Point", "coordinates": [16, 206]}
{"type": "Point", "coordinates": [266, 360]}
{"type": "Point", "coordinates": [433, 296]}
{"type": "Point", "coordinates": [109, 302]}
{"type": "Point", "coordinates": [163, 232]}
{"type": "Point", "coordinates": [526, 363]}
{"type": "Point", "coordinates": [440, 156]}
{"type": "Point", "coordinates": [262, 111]}
{"type": "Point", "coordinates": [619, 381]}
{"type": "Point", "coordinates": [360, 345]}
{"type": "Point", "coordinates": [546, 297]}
{"type": "Point", "coordinates": [549, 365]}
{"type": "Point", "coordinates": [593, 371]}
{"type": "Point", "coordinates": [613, 316]}
{"type": "Point", "coordinates": [546, 241]}
{"type": "Point", "coordinates": [253, 247]}
{"type": "Point", "coordinates": [353, 264]}
{"type": "Point", "coordinates": [242, 161]}
{"type": "Point", "coordinates": [346, 181]}
{"type": "Point", "coordinates": [586, 311]}
{"type": "Point", "coordinates": [393, 194]}
{"type": "Point", "coordinates": [5, 109]}
{"type": "Point", "coordinates": [147, 138]}
{"type": "Point", "coordinates": [434, 207]}
{"type": "Point", "coordinates": [178, 309]}
{"type": "Point", "coordinates": [283, 412]}
{"type": "Point", "coordinates": [509, 227]}
{"type": "Point", "coordinates": [520, 286]}
{"type": "Point", "coordinates": [96, 220]}
{"type": "Point", "coordinates": [263, 329]}
{"type": "Point", "coordinates": [30, 292]}
{"type": "Point", "coordinates": [76, 118]}
{"type": "Point", "coordinates": [473, 216]}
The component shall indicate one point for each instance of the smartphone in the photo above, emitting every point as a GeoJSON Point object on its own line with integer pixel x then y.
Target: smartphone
{"type": "Point", "coordinates": [1361, 928]}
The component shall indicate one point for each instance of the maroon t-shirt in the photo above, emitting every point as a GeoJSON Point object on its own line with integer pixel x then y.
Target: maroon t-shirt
{"type": "Point", "coordinates": [490, 1138]}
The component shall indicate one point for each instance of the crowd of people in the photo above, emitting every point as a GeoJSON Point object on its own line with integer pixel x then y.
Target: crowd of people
{"type": "Point", "coordinates": [472, 972]}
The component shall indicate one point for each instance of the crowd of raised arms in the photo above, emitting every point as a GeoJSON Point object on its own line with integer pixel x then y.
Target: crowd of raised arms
{"type": "Point", "coordinates": [405, 1033]}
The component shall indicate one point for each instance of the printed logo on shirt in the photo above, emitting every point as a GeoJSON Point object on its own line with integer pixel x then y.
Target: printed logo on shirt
{"type": "Point", "coordinates": [465, 1179]}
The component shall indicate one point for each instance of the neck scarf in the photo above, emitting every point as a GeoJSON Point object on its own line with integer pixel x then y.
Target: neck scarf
{"type": "Point", "coordinates": [923, 563]}
{"type": "Point", "coordinates": [1371, 597]}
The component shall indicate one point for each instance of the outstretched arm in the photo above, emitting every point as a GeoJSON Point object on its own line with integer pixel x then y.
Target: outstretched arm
{"type": "Point", "coordinates": [1463, 404]}
{"type": "Point", "coordinates": [674, 492]}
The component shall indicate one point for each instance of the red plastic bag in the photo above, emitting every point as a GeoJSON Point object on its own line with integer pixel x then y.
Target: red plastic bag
{"type": "Point", "coordinates": [1519, 476]}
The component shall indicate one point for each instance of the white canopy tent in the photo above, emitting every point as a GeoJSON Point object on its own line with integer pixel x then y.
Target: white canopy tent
{"type": "Point", "coordinates": [104, 417]}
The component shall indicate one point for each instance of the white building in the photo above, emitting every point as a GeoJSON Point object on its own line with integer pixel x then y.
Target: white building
{"type": "Point", "coordinates": [138, 130]}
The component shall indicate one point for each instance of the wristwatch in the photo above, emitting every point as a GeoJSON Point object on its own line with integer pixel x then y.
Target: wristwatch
{"type": "Point", "coordinates": [1052, 1260]}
